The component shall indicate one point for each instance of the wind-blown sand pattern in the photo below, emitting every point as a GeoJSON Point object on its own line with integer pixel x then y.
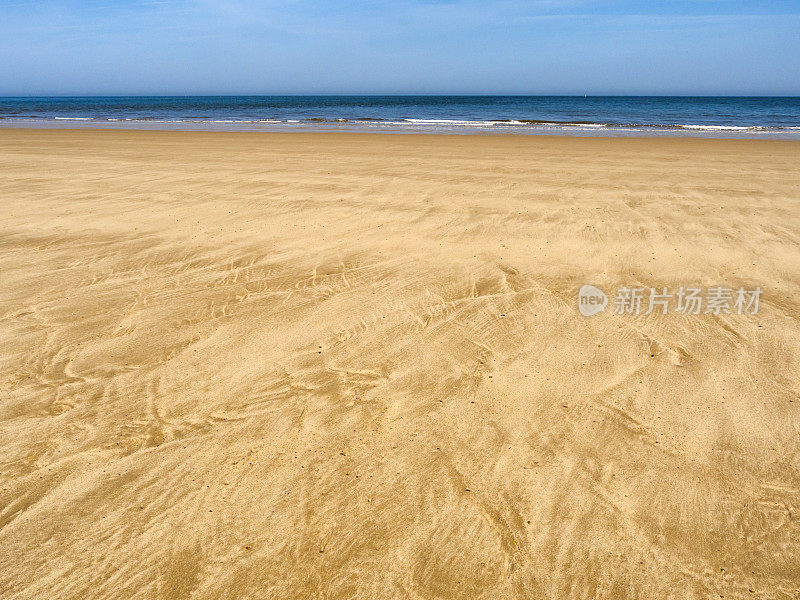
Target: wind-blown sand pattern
{"type": "Point", "coordinates": [351, 366]}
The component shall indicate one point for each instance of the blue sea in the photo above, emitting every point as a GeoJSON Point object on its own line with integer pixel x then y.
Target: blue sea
{"type": "Point", "coordinates": [740, 117]}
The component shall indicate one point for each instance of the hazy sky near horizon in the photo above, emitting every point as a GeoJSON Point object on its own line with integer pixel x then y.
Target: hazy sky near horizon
{"type": "Point", "coordinates": [94, 47]}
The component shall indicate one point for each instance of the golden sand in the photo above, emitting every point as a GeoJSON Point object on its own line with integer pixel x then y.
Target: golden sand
{"type": "Point", "coordinates": [246, 366]}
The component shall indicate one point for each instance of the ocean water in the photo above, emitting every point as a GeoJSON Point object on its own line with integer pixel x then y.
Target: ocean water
{"type": "Point", "coordinates": [741, 117]}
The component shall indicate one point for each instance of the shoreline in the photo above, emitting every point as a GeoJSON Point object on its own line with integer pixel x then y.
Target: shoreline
{"type": "Point", "coordinates": [581, 131]}
{"type": "Point", "coordinates": [400, 134]}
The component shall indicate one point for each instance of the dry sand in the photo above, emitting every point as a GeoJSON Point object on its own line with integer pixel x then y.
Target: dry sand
{"type": "Point", "coordinates": [351, 366]}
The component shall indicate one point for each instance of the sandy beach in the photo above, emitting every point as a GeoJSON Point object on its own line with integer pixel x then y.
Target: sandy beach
{"type": "Point", "coordinates": [352, 366]}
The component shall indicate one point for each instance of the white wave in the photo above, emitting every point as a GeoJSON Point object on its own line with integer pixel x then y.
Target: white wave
{"type": "Point", "coordinates": [716, 127]}
{"type": "Point", "coordinates": [73, 118]}
{"type": "Point", "coordinates": [381, 123]}
{"type": "Point", "coordinates": [557, 125]}
{"type": "Point", "coordinates": [451, 122]}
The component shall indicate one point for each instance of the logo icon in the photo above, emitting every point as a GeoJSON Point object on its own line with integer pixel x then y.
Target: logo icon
{"type": "Point", "coordinates": [591, 300]}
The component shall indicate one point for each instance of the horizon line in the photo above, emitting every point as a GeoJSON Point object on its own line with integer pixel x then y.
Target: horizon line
{"type": "Point", "coordinates": [397, 95]}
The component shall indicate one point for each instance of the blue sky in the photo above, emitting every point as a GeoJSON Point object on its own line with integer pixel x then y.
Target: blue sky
{"type": "Point", "coordinates": [88, 47]}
